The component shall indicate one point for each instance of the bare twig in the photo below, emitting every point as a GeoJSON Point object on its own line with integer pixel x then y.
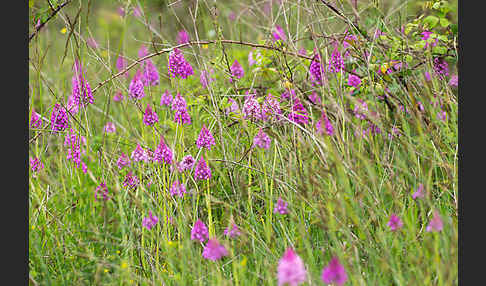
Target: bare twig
{"type": "Point", "coordinates": [38, 28]}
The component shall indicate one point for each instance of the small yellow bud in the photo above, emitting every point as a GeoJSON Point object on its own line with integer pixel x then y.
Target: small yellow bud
{"type": "Point", "coordinates": [287, 84]}
{"type": "Point", "coordinates": [63, 30]}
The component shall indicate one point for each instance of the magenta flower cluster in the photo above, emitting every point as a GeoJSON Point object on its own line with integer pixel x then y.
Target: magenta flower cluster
{"type": "Point", "coordinates": [177, 189]}
{"type": "Point", "coordinates": [36, 165]}
{"type": "Point", "coordinates": [299, 114]}
{"type": "Point", "coordinates": [102, 190]}
{"type": "Point", "coordinates": [166, 98]}
{"type": "Point", "coordinates": [205, 138]}
{"type": "Point", "coordinates": [186, 163]}
{"type": "Point", "coordinates": [236, 70]}
{"type": "Point", "coordinates": [213, 250]}
{"type": "Point", "coordinates": [232, 231]}
{"type": "Point", "coordinates": [131, 181]}
{"type": "Point", "coordinates": [336, 62]}
{"type": "Point", "coordinates": [181, 115]}
{"type": "Point", "coordinates": [135, 89]}
{"type": "Point", "coordinates": [150, 221]}
{"type": "Point", "coordinates": [199, 231]}
{"type": "Point", "coordinates": [202, 171]}
{"type": "Point", "coordinates": [334, 273]}
{"type": "Point", "coordinates": [59, 118]}
{"type": "Point", "coordinates": [81, 91]}
{"type": "Point", "coordinates": [291, 269]}
{"type": "Point", "coordinates": [281, 207]}
{"type": "Point", "coordinates": [178, 66]}
{"type": "Point", "coordinates": [316, 69]}
{"type": "Point", "coordinates": [123, 161]}
{"type": "Point", "coordinates": [163, 154]}
{"type": "Point", "coordinates": [262, 140]}
{"type": "Point", "coordinates": [150, 117]}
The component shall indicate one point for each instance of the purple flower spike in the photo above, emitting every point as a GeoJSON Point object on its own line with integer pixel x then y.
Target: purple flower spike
{"type": "Point", "coordinates": [214, 250]}
{"type": "Point", "coordinates": [150, 73]}
{"type": "Point", "coordinates": [135, 89]}
{"type": "Point", "coordinates": [59, 118]}
{"type": "Point", "coordinates": [205, 138]}
{"type": "Point", "coordinates": [419, 193]}
{"type": "Point", "coordinates": [131, 181]}
{"type": "Point", "coordinates": [101, 188]}
{"type": "Point", "coordinates": [299, 114]}
{"type": "Point", "coordinates": [35, 120]}
{"type": "Point", "coordinates": [163, 154]}
{"type": "Point", "coordinates": [178, 67]}
{"type": "Point", "coordinates": [166, 98]}
{"type": "Point", "coordinates": [270, 108]}
{"type": "Point", "coordinates": [441, 67]}
{"type": "Point", "coordinates": [92, 43]}
{"type": "Point", "coordinates": [177, 189]}
{"type": "Point", "coordinates": [202, 171]}
{"type": "Point", "coordinates": [360, 109]}
{"type": "Point", "coordinates": [36, 165]}
{"type": "Point", "coordinates": [123, 161]}
{"type": "Point", "coordinates": [150, 221]}
{"type": "Point", "coordinates": [279, 34]}
{"type": "Point", "coordinates": [316, 69]}
{"type": "Point", "coordinates": [336, 62]}
{"type": "Point", "coordinates": [353, 80]}
{"type": "Point", "coordinates": [251, 108]}
{"type": "Point", "coordinates": [328, 128]}
{"type": "Point", "coordinates": [182, 37]}
{"type": "Point", "coordinates": [236, 70]}
{"type": "Point", "coordinates": [199, 231]}
{"type": "Point", "coordinates": [454, 81]}
{"type": "Point", "coordinates": [118, 96]}
{"type": "Point", "coordinates": [186, 163]}
{"type": "Point", "coordinates": [395, 222]}
{"type": "Point", "coordinates": [143, 51]}
{"type": "Point", "coordinates": [181, 115]}
{"type": "Point", "coordinates": [150, 117]}
{"type": "Point", "coordinates": [291, 269]}
{"type": "Point", "coordinates": [81, 91]}
{"type": "Point", "coordinates": [334, 273]}
{"type": "Point", "coordinates": [281, 207]}
{"type": "Point", "coordinates": [262, 140]}
{"type": "Point", "coordinates": [139, 154]}
{"type": "Point", "coordinates": [205, 78]}
{"type": "Point", "coordinates": [435, 223]}
{"type": "Point", "coordinates": [233, 231]}
{"type": "Point", "coordinates": [109, 127]}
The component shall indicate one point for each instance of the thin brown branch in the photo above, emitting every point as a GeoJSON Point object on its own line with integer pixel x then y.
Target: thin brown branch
{"type": "Point", "coordinates": [38, 28]}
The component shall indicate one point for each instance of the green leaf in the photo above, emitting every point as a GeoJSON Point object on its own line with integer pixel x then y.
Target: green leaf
{"type": "Point", "coordinates": [408, 59]}
{"type": "Point", "coordinates": [439, 50]}
{"type": "Point", "coordinates": [431, 21]}
{"type": "Point", "coordinates": [454, 28]}
{"type": "Point", "coordinates": [444, 22]}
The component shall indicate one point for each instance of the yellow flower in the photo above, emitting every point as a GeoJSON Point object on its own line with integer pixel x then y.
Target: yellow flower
{"type": "Point", "coordinates": [63, 30]}
{"type": "Point", "coordinates": [118, 252]}
{"type": "Point", "coordinates": [106, 270]}
{"type": "Point", "coordinates": [205, 46]}
{"type": "Point", "coordinates": [33, 227]}
{"type": "Point", "coordinates": [124, 265]}
{"type": "Point", "coordinates": [243, 261]}
{"type": "Point", "coordinates": [384, 68]}
{"type": "Point", "coordinates": [287, 84]}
